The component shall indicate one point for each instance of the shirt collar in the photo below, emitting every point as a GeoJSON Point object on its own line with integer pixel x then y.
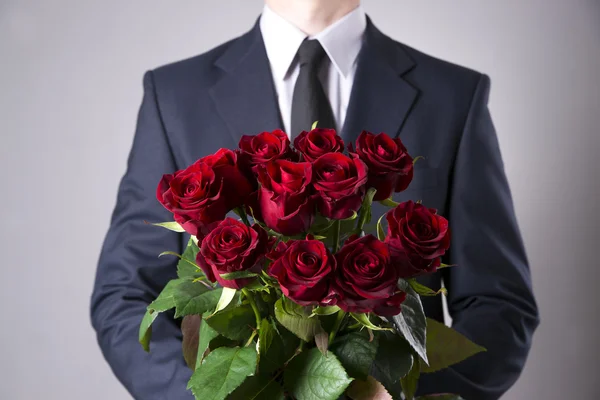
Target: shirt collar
{"type": "Point", "coordinates": [342, 40]}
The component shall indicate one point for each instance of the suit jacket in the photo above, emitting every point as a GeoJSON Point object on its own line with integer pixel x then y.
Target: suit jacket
{"type": "Point", "coordinates": [194, 107]}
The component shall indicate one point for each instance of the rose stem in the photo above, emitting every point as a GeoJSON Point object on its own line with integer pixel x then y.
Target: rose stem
{"type": "Point", "coordinates": [242, 213]}
{"type": "Point", "coordinates": [250, 298]}
{"type": "Point", "coordinates": [338, 322]}
{"type": "Point", "coordinates": [336, 235]}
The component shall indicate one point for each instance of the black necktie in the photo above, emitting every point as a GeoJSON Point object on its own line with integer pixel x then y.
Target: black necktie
{"type": "Point", "coordinates": [309, 102]}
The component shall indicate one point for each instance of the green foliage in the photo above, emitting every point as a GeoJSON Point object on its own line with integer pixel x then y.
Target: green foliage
{"type": "Point", "coordinates": [296, 319]}
{"type": "Point", "coordinates": [446, 347]}
{"type": "Point", "coordinates": [364, 320]}
{"type": "Point", "coordinates": [410, 381]}
{"type": "Point", "coordinates": [369, 389]}
{"type": "Point", "coordinates": [393, 361]}
{"type": "Point", "coordinates": [314, 376]}
{"type": "Point", "coordinates": [235, 323]}
{"type": "Point", "coordinates": [258, 388]}
{"type": "Point", "coordinates": [272, 352]}
{"type": "Point", "coordinates": [380, 231]}
{"type": "Point", "coordinates": [389, 202]}
{"type": "Point", "coordinates": [223, 370]}
{"type": "Point", "coordinates": [205, 336]}
{"type": "Point", "coordinates": [325, 310]}
{"type": "Point", "coordinates": [411, 321]}
{"type": "Point", "coordinates": [172, 226]}
{"type": "Point", "coordinates": [187, 267]}
{"type": "Point", "coordinates": [238, 275]}
{"type": "Point", "coordinates": [226, 297]}
{"type": "Point", "coordinates": [356, 352]}
{"type": "Point", "coordinates": [365, 209]}
{"type": "Point", "coordinates": [423, 290]}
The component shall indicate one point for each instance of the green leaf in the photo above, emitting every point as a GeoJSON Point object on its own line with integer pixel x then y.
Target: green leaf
{"type": "Point", "coordinates": [411, 320]}
{"type": "Point", "coordinates": [356, 353]}
{"type": "Point", "coordinates": [145, 332]}
{"type": "Point", "coordinates": [172, 226]}
{"type": "Point", "coordinates": [194, 298]}
{"type": "Point", "coordinates": [326, 310]}
{"type": "Point", "coordinates": [322, 341]}
{"type": "Point", "coordinates": [258, 388]}
{"type": "Point", "coordinates": [190, 327]}
{"type": "Point", "coordinates": [314, 125]}
{"type": "Point", "coordinates": [446, 347]}
{"type": "Point", "coordinates": [393, 361]}
{"type": "Point", "coordinates": [380, 231]}
{"type": "Point", "coordinates": [226, 296]}
{"type": "Point", "coordinates": [238, 275]}
{"type": "Point", "coordinates": [442, 265]}
{"type": "Point", "coordinates": [314, 376]}
{"type": "Point", "coordinates": [417, 158]}
{"type": "Point", "coordinates": [364, 320]}
{"type": "Point", "coordinates": [423, 290]}
{"type": "Point", "coordinates": [235, 323]}
{"type": "Point", "coordinates": [223, 370]}
{"type": "Point", "coordinates": [296, 319]}
{"type": "Point", "coordinates": [206, 335]}
{"type": "Point", "coordinates": [271, 352]}
{"type": "Point", "coordinates": [443, 396]}
{"type": "Point", "coordinates": [410, 381]}
{"type": "Point", "coordinates": [365, 209]}
{"type": "Point", "coordinates": [369, 389]}
{"type": "Point", "coordinates": [187, 267]}
{"type": "Point", "coordinates": [389, 202]}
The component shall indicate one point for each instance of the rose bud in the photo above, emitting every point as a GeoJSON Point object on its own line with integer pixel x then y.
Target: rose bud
{"type": "Point", "coordinates": [303, 269]}
{"type": "Point", "coordinates": [205, 191]}
{"type": "Point", "coordinates": [417, 238]}
{"type": "Point", "coordinates": [285, 202]}
{"type": "Point", "coordinates": [231, 247]}
{"type": "Point", "coordinates": [390, 165]}
{"type": "Point", "coordinates": [340, 183]}
{"type": "Point", "coordinates": [366, 280]}
{"type": "Point", "coordinates": [317, 142]}
{"type": "Point", "coordinates": [264, 147]}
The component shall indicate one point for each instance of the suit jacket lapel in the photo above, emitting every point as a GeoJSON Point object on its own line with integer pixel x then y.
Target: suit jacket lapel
{"type": "Point", "coordinates": [381, 99]}
{"type": "Point", "coordinates": [245, 97]}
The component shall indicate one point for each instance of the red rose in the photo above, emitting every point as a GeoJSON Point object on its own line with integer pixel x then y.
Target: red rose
{"type": "Point", "coordinates": [264, 147]}
{"type": "Point", "coordinates": [366, 280]}
{"type": "Point", "coordinates": [417, 237]}
{"type": "Point", "coordinates": [231, 247]}
{"type": "Point", "coordinates": [303, 269]}
{"type": "Point", "coordinates": [205, 191]}
{"type": "Point", "coordinates": [390, 166]}
{"type": "Point", "coordinates": [285, 202]}
{"type": "Point", "coordinates": [317, 142]}
{"type": "Point", "coordinates": [340, 182]}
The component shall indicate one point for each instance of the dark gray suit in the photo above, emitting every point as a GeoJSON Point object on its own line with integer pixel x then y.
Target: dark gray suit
{"type": "Point", "coordinates": [194, 107]}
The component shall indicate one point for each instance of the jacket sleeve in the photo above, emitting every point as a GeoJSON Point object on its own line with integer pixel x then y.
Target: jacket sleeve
{"type": "Point", "coordinates": [130, 275]}
{"type": "Point", "coordinates": [490, 296]}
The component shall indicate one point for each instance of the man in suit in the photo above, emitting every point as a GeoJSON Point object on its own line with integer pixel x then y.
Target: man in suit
{"type": "Point", "coordinates": [323, 59]}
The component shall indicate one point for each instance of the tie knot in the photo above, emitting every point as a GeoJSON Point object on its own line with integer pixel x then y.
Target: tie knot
{"type": "Point", "coordinates": [310, 52]}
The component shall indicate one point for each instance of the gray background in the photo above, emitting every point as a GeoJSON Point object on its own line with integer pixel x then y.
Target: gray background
{"type": "Point", "coordinates": [70, 86]}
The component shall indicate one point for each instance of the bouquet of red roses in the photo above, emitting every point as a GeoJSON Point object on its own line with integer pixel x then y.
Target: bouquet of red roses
{"type": "Point", "coordinates": [291, 299]}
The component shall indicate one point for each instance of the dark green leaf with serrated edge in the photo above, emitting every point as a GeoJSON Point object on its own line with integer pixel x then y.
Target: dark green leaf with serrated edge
{"type": "Point", "coordinates": [190, 327]}
{"type": "Point", "coordinates": [446, 347]}
{"type": "Point", "coordinates": [258, 388]}
{"type": "Point", "coordinates": [235, 323]}
{"type": "Point", "coordinates": [187, 266]}
{"type": "Point", "coordinates": [325, 310]}
{"type": "Point", "coordinates": [411, 321]}
{"type": "Point", "coordinates": [369, 389]}
{"type": "Point", "coordinates": [271, 354]}
{"type": "Point", "coordinates": [393, 361]}
{"type": "Point", "coordinates": [198, 297]}
{"type": "Point", "coordinates": [204, 338]}
{"type": "Point", "coordinates": [202, 303]}
{"type": "Point", "coordinates": [444, 396]}
{"type": "Point", "coordinates": [313, 376]}
{"type": "Point", "coordinates": [356, 353]}
{"type": "Point", "coordinates": [223, 370]}
{"type": "Point", "coordinates": [410, 381]}
{"type": "Point", "coordinates": [294, 319]}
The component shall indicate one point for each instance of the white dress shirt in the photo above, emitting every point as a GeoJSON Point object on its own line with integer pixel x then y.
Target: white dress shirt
{"type": "Point", "coordinates": [342, 42]}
